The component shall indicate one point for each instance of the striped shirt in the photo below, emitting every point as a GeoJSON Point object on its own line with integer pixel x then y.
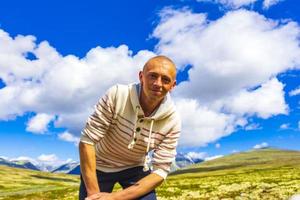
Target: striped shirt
{"type": "Point", "coordinates": [118, 121]}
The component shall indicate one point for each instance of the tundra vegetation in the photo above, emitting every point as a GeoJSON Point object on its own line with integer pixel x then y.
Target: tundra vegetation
{"type": "Point", "coordinates": [254, 175]}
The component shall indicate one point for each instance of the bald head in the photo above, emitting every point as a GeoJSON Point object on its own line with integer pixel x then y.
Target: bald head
{"type": "Point", "coordinates": [161, 61]}
{"type": "Point", "coordinates": [157, 79]}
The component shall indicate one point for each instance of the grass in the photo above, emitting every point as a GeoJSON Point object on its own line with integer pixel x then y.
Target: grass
{"type": "Point", "coordinates": [28, 184]}
{"type": "Point", "coordinates": [264, 174]}
{"type": "Point", "coordinates": [255, 175]}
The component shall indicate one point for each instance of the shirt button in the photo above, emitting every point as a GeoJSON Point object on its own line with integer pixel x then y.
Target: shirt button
{"type": "Point", "coordinates": [138, 129]}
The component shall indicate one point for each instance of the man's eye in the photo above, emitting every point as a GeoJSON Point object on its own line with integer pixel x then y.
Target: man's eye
{"type": "Point", "coordinates": [166, 80]}
{"type": "Point", "coordinates": [153, 76]}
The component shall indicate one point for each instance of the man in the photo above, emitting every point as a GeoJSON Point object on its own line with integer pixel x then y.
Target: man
{"type": "Point", "coordinates": [128, 122]}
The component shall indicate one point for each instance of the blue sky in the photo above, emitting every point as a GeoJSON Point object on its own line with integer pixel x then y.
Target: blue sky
{"type": "Point", "coordinates": [238, 62]}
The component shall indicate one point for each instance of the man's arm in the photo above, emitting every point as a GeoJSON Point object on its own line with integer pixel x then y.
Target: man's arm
{"type": "Point", "coordinates": [88, 168]}
{"type": "Point", "coordinates": [142, 187]}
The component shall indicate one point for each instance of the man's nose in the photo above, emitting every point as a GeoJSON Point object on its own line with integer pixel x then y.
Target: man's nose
{"type": "Point", "coordinates": [158, 82]}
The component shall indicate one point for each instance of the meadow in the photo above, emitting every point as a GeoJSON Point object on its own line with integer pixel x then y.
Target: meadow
{"type": "Point", "coordinates": [267, 174]}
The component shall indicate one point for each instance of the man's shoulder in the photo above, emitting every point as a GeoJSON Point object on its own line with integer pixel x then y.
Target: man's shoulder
{"type": "Point", "coordinates": [119, 93]}
{"type": "Point", "coordinates": [121, 89]}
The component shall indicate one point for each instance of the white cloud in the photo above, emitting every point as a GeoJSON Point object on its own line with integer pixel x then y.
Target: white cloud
{"type": "Point", "coordinates": [262, 145]}
{"type": "Point", "coordinates": [250, 127]}
{"type": "Point", "coordinates": [226, 54]}
{"type": "Point", "coordinates": [25, 158]}
{"type": "Point", "coordinates": [266, 101]}
{"type": "Point", "coordinates": [64, 86]}
{"type": "Point", "coordinates": [68, 137]}
{"type": "Point", "coordinates": [228, 73]}
{"type": "Point", "coordinates": [234, 4]}
{"type": "Point", "coordinates": [201, 125]}
{"type": "Point", "coordinates": [4, 157]}
{"type": "Point", "coordinates": [197, 155]}
{"type": "Point", "coordinates": [284, 126]}
{"type": "Point", "coordinates": [213, 157]}
{"type": "Point", "coordinates": [202, 156]}
{"type": "Point", "coordinates": [229, 80]}
{"type": "Point", "coordinates": [48, 158]}
{"type": "Point", "coordinates": [43, 161]}
{"type": "Point", "coordinates": [39, 123]}
{"type": "Point", "coordinates": [218, 145]}
{"type": "Point", "coordinates": [295, 92]}
{"type": "Point", "coordinates": [235, 151]}
{"type": "Point", "coordinates": [268, 3]}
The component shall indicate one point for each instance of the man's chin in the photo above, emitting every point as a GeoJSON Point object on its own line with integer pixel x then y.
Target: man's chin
{"type": "Point", "coordinates": [157, 97]}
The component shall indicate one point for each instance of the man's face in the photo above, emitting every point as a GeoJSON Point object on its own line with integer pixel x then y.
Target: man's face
{"type": "Point", "coordinates": [157, 79]}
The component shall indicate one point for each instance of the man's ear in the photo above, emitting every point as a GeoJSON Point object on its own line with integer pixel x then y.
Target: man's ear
{"type": "Point", "coordinates": [173, 86]}
{"type": "Point", "coordinates": [141, 76]}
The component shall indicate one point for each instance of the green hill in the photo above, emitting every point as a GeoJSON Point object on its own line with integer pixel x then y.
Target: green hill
{"type": "Point", "coordinates": [18, 184]}
{"type": "Point", "coordinates": [258, 174]}
{"type": "Point", "coordinates": [262, 158]}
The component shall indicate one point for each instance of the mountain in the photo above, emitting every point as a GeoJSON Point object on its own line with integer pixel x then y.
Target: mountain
{"type": "Point", "coordinates": [75, 170]}
{"type": "Point", "coordinates": [183, 160]}
{"type": "Point", "coordinates": [25, 164]}
{"type": "Point", "coordinates": [67, 168]}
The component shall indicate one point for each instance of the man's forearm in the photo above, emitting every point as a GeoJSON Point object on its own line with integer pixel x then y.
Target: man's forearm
{"type": "Point", "coordinates": [88, 168]}
{"type": "Point", "coordinates": [142, 187]}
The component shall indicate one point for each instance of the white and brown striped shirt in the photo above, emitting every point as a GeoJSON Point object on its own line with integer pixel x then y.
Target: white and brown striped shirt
{"type": "Point", "coordinates": [111, 129]}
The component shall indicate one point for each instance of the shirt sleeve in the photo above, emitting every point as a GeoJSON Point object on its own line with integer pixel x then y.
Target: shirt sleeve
{"type": "Point", "coordinates": [164, 155]}
{"type": "Point", "coordinates": [99, 122]}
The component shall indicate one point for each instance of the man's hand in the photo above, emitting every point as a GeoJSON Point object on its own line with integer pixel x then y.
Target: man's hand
{"type": "Point", "coordinates": [101, 196]}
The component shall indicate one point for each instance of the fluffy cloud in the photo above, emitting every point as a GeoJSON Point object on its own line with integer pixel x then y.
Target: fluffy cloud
{"type": "Point", "coordinates": [234, 59]}
{"type": "Point", "coordinates": [202, 156]}
{"type": "Point", "coordinates": [260, 146]}
{"type": "Point", "coordinates": [66, 136]}
{"type": "Point", "coordinates": [48, 158]}
{"type": "Point", "coordinates": [230, 80]}
{"type": "Point", "coordinates": [39, 123]}
{"type": "Point", "coordinates": [202, 125]}
{"type": "Point", "coordinates": [48, 162]}
{"type": "Point", "coordinates": [295, 92]}
{"type": "Point", "coordinates": [226, 54]}
{"type": "Point", "coordinates": [264, 102]}
{"type": "Point", "coordinates": [268, 3]}
{"type": "Point", "coordinates": [44, 161]}
{"type": "Point", "coordinates": [62, 86]}
{"type": "Point", "coordinates": [250, 127]}
{"type": "Point", "coordinates": [284, 126]}
{"type": "Point", "coordinates": [218, 145]}
{"type": "Point", "coordinates": [197, 155]}
{"type": "Point", "coordinates": [234, 4]}
{"type": "Point", "coordinates": [24, 158]}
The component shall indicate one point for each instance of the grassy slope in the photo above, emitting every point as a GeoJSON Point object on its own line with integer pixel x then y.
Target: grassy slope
{"type": "Point", "coordinates": [264, 174]}
{"type": "Point", "coordinates": [18, 183]}
{"type": "Point", "coordinates": [261, 174]}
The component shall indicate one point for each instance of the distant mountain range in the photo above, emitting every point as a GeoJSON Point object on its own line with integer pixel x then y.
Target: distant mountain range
{"type": "Point", "coordinates": [18, 164]}
{"type": "Point", "coordinates": [181, 161]}
{"type": "Point", "coordinates": [68, 168]}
